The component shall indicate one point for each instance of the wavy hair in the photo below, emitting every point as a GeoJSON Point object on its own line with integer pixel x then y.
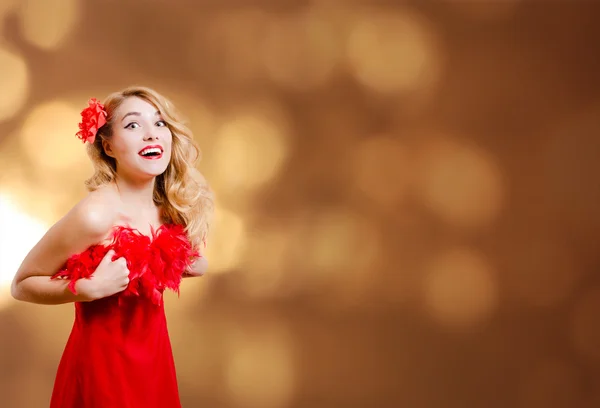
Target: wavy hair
{"type": "Point", "coordinates": [181, 191]}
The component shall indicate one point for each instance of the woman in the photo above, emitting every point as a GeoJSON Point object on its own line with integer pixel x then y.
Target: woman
{"type": "Point", "coordinates": [140, 229]}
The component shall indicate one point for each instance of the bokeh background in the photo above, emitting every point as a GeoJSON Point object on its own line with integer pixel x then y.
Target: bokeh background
{"type": "Point", "coordinates": [407, 194]}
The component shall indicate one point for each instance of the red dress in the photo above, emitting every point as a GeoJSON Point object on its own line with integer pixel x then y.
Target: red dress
{"type": "Point", "coordinates": [119, 353]}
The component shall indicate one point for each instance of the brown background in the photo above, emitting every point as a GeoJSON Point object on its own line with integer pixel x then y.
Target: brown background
{"type": "Point", "coordinates": [407, 194]}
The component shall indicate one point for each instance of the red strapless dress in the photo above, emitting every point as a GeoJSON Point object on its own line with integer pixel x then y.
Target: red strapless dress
{"type": "Point", "coordinates": [119, 353]}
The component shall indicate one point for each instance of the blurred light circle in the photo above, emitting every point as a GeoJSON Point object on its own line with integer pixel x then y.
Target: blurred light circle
{"type": "Point", "coordinates": [461, 184]}
{"type": "Point", "coordinates": [14, 84]}
{"type": "Point", "coordinates": [250, 148]}
{"type": "Point", "coordinates": [25, 191]}
{"type": "Point", "coordinates": [231, 41]}
{"type": "Point", "coordinates": [19, 232]}
{"type": "Point", "coordinates": [300, 50]}
{"type": "Point", "coordinates": [340, 240]}
{"type": "Point", "coordinates": [6, 6]}
{"type": "Point", "coordinates": [265, 276]}
{"type": "Point", "coordinates": [48, 138]}
{"type": "Point", "coordinates": [46, 23]}
{"type": "Point", "coordinates": [460, 288]}
{"type": "Point", "coordinates": [393, 51]}
{"type": "Point", "coordinates": [226, 241]}
{"type": "Point", "coordinates": [260, 368]}
{"type": "Point", "coordinates": [340, 251]}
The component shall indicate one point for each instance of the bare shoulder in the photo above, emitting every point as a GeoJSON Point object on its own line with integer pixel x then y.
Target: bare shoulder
{"type": "Point", "coordinates": [86, 224]}
{"type": "Point", "coordinates": [94, 215]}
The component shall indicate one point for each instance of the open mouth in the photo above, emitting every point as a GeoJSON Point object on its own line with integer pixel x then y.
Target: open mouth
{"type": "Point", "coordinates": [151, 152]}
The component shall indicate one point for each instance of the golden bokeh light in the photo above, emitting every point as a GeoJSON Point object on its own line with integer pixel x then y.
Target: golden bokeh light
{"type": "Point", "coordinates": [551, 384]}
{"type": "Point", "coordinates": [6, 6]}
{"type": "Point", "coordinates": [44, 32]}
{"type": "Point", "coordinates": [198, 347]}
{"type": "Point", "coordinates": [18, 234]}
{"type": "Point", "coordinates": [231, 41]}
{"type": "Point", "coordinates": [584, 324]}
{"type": "Point", "coordinates": [14, 83]}
{"type": "Point", "coordinates": [460, 288]}
{"type": "Point", "coordinates": [461, 184]}
{"type": "Point", "coordinates": [48, 139]}
{"type": "Point", "coordinates": [406, 194]}
{"type": "Point", "coordinates": [382, 170]}
{"type": "Point", "coordinates": [393, 51]}
{"type": "Point", "coordinates": [191, 293]}
{"type": "Point", "coordinates": [340, 249]}
{"type": "Point", "coordinates": [226, 242]}
{"type": "Point", "coordinates": [16, 180]}
{"type": "Point", "coordinates": [266, 256]}
{"type": "Point", "coordinates": [12, 164]}
{"type": "Point", "coordinates": [25, 190]}
{"type": "Point", "coordinates": [250, 148]}
{"type": "Point", "coordinates": [29, 398]}
{"type": "Point", "coordinates": [54, 321]}
{"type": "Point", "coordinates": [312, 58]}
{"type": "Point", "coordinates": [261, 367]}
{"type": "Point", "coordinates": [200, 118]}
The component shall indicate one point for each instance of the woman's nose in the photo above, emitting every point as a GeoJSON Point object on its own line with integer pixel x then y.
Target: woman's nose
{"type": "Point", "coordinates": [150, 135]}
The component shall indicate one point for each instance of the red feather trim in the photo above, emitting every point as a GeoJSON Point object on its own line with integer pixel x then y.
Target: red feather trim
{"type": "Point", "coordinates": [155, 263]}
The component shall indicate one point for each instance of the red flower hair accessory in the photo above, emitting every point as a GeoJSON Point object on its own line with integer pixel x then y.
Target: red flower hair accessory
{"type": "Point", "coordinates": [92, 118]}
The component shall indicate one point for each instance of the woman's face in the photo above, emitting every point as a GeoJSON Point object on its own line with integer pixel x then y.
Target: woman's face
{"type": "Point", "coordinates": [141, 140]}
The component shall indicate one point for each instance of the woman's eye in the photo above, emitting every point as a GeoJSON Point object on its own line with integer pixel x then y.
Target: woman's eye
{"type": "Point", "coordinates": [132, 125]}
{"type": "Point", "coordinates": [161, 123]}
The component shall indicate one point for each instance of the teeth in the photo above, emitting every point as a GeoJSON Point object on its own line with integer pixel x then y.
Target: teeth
{"type": "Point", "coordinates": [146, 152]}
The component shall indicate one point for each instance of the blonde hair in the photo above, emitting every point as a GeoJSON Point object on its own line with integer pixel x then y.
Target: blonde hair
{"type": "Point", "coordinates": [181, 191]}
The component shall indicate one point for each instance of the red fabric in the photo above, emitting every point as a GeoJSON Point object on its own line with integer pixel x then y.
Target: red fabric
{"type": "Point", "coordinates": [119, 353]}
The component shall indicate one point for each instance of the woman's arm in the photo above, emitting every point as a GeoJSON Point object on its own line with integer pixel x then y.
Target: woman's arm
{"type": "Point", "coordinates": [86, 224]}
{"type": "Point", "coordinates": [198, 268]}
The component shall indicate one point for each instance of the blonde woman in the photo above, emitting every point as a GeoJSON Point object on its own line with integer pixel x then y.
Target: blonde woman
{"type": "Point", "coordinates": [139, 231]}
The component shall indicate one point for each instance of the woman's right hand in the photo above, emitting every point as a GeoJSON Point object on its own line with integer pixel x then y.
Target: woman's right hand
{"type": "Point", "coordinates": [110, 277]}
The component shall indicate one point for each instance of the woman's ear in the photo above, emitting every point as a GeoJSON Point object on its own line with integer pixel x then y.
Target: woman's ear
{"type": "Point", "coordinates": [107, 148]}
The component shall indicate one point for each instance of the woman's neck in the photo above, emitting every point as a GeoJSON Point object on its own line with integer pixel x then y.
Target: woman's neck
{"type": "Point", "coordinates": [136, 195]}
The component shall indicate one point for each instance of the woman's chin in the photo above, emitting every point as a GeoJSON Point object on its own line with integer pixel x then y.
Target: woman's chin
{"type": "Point", "coordinates": [149, 174]}
{"type": "Point", "coordinates": [144, 171]}
{"type": "Point", "coordinates": [155, 169]}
